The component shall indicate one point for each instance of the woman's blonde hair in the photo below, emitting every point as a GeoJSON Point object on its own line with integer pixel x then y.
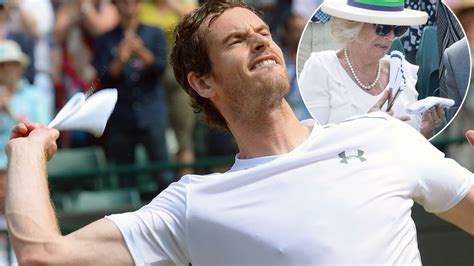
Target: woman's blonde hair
{"type": "Point", "coordinates": [344, 31]}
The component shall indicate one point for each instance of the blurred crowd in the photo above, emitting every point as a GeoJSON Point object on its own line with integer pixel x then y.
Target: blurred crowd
{"type": "Point", "coordinates": [53, 49]}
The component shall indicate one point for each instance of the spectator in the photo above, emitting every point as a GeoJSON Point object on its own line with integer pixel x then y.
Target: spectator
{"type": "Point", "coordinates": [77, 24]}
{"type": "Point", "coordinates": [464, 10]}
{"type": "Point", "coordinates": [411, 40]}
{"type": "Point", "coordinates": [449, 32]}
{"type": "Point", "coordinates": [41, 12]}
{"type": "Point", "coordinates": [305, 8]}
{"type": "Point", "coordinates": [456, 62]}
{"type": "Point", "coordinates": [19, 26]}
{"type": "Point", "coordinates": [94, 16]}
{"type": "Point", "coordinates": [338, 84]}
{"type": "Point", "coordinates": [19, 100]}
{"type": "Point", "coordinates": [166, 14]}
{"type": "Point", "coordinates": [316, 37]}
{"type": "Point", "coordinates": [20, 19]}
{"type": "Point", "coordinates": [134, 56]}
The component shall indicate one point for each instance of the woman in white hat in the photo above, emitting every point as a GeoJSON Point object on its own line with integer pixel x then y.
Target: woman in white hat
{"type": "Point", "coordinates": [19, 100]}
{"type": "Point", "coordinates": [336, 85]}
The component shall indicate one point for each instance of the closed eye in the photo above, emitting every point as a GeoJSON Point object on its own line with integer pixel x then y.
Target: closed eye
{"type": "Point", "coordinates": [236, 41]}
{"type": "Point", "coordinates": [266, 33]}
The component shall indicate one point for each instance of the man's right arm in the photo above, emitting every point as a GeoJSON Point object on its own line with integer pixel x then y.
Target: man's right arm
{"type": "Point", "coordinates": [32, 224]}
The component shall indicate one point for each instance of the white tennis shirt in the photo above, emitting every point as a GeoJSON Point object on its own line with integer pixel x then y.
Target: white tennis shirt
{"type": "Point", "coordinates": [344, 196]}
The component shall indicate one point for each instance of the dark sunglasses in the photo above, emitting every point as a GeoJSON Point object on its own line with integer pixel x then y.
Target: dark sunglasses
{"type": "Point", "coordinates": [382, 30]}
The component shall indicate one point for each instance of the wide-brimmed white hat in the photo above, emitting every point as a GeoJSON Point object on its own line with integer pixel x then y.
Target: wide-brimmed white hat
{"type": "Point", "coordinates": [389, 12]}
{"type": "Point", "coordinates": [10, 51]}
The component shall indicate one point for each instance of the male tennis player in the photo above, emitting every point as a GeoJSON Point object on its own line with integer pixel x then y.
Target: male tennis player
{"type": "Point", "coordinates": [297, 194]}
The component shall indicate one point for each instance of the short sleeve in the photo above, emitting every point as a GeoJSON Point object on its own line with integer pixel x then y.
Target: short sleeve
{"type": "Point", "coordinates": [156, 233]}
{"type": "Point", "coordinates": [444, 187]}
{"type": "Point", "coordinates": [440, 183]}
{"type": "Point", "coordinates": [313, 89]}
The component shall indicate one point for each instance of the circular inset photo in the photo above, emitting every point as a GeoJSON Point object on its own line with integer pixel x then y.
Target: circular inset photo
{"type": "Point", "coordinates": [362, 56]}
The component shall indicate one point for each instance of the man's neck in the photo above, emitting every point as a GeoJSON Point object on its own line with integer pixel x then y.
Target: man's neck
{"type": "Point", "coordinates": [277, 132]}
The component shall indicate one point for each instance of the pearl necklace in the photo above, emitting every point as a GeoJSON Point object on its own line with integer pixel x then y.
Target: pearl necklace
{"type": "Point", "coordinates": [366, 87]}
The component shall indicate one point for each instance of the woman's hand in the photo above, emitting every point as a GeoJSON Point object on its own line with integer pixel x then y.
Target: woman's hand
{"type": "Point", "coordinates": [431, 120]}
{"type": "Point", "coordinates": [387, 95]}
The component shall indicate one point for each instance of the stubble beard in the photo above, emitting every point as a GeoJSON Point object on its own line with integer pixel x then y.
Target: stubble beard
{"type": "Point", "coordinates": [254, 101]}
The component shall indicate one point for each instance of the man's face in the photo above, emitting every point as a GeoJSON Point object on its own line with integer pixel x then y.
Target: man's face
{"type": "Point", "coordinates": [248, 71]}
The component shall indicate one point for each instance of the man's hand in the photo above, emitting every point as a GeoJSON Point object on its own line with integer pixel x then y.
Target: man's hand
{"type": "Point", "coordinates": [33, 136]}
{"type": "Point", "coordinates": [32, 223]}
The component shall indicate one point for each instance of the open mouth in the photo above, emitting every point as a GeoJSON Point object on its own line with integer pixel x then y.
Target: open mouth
{"type": "Point", "coordinates": [264, 63]}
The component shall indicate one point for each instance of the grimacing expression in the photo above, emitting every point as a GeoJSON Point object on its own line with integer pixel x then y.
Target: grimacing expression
{"type": "Point", "coordinates": [248, 69]}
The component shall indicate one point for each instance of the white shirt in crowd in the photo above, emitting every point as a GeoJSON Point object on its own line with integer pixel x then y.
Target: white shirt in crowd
{"type": "Point", "coordinates": [332, 96]}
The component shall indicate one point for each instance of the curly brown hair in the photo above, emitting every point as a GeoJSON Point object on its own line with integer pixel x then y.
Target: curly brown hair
{"type": "Point", "coordinates": [190, 54]}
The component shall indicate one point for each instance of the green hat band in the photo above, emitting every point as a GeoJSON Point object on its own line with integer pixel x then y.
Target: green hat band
{"type": "Point", "coordinates": [378, 5]}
